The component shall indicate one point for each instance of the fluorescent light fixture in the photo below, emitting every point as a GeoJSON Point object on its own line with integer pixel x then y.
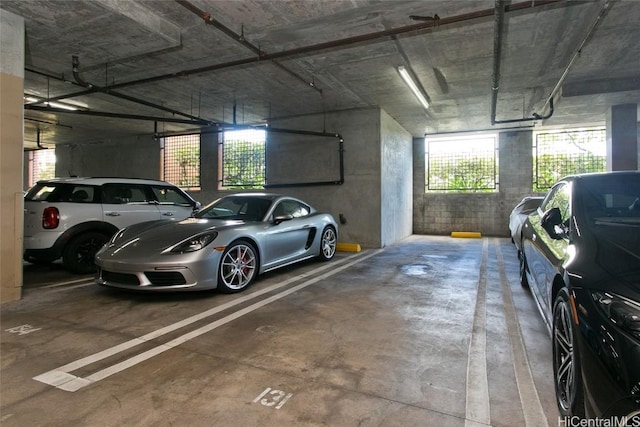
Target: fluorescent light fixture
{"type": "Point", "coordinates": [33, 100]}
{"type": "Point", "coordinates": [62, 106]}
{"type": "Point", "coordinates": [412, 85]}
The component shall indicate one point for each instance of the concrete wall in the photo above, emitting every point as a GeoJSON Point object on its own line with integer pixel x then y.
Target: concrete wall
{"type": "Point", "coordinates": [488, 213]}
{"type": "Point", "coordinates": [135, 157]}
{"type": "Point", "coordinates": [396, 209]}
{"type": "Point", "coordinates": [11, 154]}
{"type": "Point", "coordinates": [359, 199]}
{"type": "Point", "coordinates": [377, 164]}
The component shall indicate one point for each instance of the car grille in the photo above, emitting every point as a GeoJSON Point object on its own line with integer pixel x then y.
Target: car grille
{"type": "Point", "coordinates": [165, 278]}
{"type": "Point", "coordinates": [123, 278]}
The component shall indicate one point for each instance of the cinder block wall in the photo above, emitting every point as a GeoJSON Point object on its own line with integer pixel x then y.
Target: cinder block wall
{"type": "Point", "coordinates": [488, 213]}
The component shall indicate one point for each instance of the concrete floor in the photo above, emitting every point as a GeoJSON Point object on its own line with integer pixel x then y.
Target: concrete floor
{"type": "Point", "coordinates": [432, 331]}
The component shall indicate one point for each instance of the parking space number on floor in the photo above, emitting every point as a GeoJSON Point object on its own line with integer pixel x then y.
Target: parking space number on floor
{"type": "Point", "coordinates": [273, 398]}
{"type": "Point", "coordinates": [22, 329]}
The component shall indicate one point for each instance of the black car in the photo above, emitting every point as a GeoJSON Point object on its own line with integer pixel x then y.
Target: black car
{"type": "Point", "coordinates": [581, 260]}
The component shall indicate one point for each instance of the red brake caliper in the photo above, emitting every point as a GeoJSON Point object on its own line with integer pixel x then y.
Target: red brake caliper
{"type": "Point", "coordinates": [245, 269]}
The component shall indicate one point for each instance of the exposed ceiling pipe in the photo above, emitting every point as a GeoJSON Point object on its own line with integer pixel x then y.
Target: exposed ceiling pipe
{"type": "Point", "coordinates": [497, 58]}
{"type": "Point", "coordinates": [75, 64]}
{"type": "Point", "coordinates": [346, 42]}
{"type": "Point", "coordinates": [200, 122]}
{"type": "Point", "coordinates": [38, 142]}
{"type": "Point", "coordinates": [594, 25]}
{"type": "Point", "coordinates": [497, 55]}
{"type": "Point", "coordinates": [107, 90]}
{"type": "Point", "coordinates": [210, 20]}
{"type": "Point", "coordinates": [336, 44]}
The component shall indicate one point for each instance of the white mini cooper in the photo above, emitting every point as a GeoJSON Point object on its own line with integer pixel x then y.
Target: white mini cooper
{"type": "Point", "coordinates": [74, 217]}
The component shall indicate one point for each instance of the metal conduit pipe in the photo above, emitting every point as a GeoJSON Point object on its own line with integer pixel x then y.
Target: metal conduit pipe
{"type": "Point", "coordinates": [342, 43]}
{"type": "Point", "coordinates": [199, 122]}
{"type": "Point", "coordinates": [497, 58]}
{"type": "Point", "coordinates": [497, 54]}
{"type": "Point", "coordinates": [108, 91]}
{"type": "Point", "coordinates": [347, 42]}
{"type": "Point", "coordinates": [206, 16]}
{"type": "Point", "coordinates": [594, 25]}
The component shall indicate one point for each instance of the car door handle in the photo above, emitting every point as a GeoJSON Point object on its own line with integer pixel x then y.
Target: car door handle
{"type": "Point", "coordinates": [167, 213]}
{"type": "Point", "coordinates": [112, 214]}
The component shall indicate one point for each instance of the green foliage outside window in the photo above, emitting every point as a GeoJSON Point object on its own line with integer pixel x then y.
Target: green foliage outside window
{"type": "Point", "coordinates": [243, 164]}
{"type": "Point", "coordinates": [181, 160]}
{"type": "Point", "coordinates": [463, 174]}
{"type": "Point", "coordinates": [550, 168]}
{"type": "Point", "coordinates": [461, 165]}
{"type": "Point", "coordinates": [558, 154]}
{"type": "Point", "coordinates": [188, 158]}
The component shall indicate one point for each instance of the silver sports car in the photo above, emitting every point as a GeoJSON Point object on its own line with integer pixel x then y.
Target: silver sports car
{"type": "Point", "coordinates": [225, 245]}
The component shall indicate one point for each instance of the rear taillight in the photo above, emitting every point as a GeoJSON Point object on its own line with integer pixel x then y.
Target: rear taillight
{"type": "Point", "coordinates": [50, 218]}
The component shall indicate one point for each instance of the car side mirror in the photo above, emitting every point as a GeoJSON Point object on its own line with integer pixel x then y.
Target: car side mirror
{"type": "Point", "coordinates": [281, 218]}
{"type": "Point", "coordinates": [551, 221]}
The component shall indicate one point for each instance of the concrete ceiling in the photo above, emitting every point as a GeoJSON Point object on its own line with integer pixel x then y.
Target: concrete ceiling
{"type": "Point", "coordinates": [249, 61]}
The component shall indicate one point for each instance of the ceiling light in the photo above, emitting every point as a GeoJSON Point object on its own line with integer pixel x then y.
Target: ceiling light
{"type": "Point", "coordinates": [62, 106]}
{"type": "Point", "coordinates": [414, 88]}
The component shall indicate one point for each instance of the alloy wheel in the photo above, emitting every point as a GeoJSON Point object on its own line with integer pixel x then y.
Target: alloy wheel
{"type": "Point", "coordinates": [238, 266]}
{"type": "Point", "coordinates": [328, 243]}
{"type": "Point", "coordinates": [563, 355]}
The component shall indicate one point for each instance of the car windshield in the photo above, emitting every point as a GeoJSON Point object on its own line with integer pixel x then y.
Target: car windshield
{"type": "Point", "coordinates": [236, 208]}
{"type": "Point", "coordinates": [612, 199]}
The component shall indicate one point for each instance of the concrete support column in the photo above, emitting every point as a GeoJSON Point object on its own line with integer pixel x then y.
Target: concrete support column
{"type": "Point", "coordinates": [11, 154]}
{"type": "Point", "coordinates": [622, 138]}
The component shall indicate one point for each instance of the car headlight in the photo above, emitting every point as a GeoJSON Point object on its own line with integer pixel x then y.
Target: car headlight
{"type": "Point", "coordinates": [194, 243]}
{"type": "Point", "coordinates": [623, 312]}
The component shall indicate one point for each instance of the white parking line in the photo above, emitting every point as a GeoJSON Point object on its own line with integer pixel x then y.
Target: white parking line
{"type": "Point", "coordinates": [69, 282]}
{"type": "Point", "coordinates": [63, 379]}
{"type": "Point", "coordinates": [529, 399]}
{"type": "Point", "coordinates": [478, 412]}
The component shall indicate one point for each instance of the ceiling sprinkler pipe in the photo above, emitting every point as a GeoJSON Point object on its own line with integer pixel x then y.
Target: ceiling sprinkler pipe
{"type": "Point", "coordinates": [75, 63]}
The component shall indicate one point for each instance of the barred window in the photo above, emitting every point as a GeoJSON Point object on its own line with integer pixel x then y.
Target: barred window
{"type": "Point", "coordinates": [181, 161]}
{"type": "Point", "coordinates": [566, 152]}
{"type": "Point", "coordinates": [42, 165]}
{"type": "Point", "coordinates": [461, 164]}
{"type": "Point", "coordinates": [243, 159]}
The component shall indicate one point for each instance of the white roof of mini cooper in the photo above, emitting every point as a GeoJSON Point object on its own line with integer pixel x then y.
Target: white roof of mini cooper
{"type": "Point", "coordinates": [105, 180]}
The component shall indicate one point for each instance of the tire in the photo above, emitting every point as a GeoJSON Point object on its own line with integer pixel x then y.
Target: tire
{"type": "Point", "coordinates": [567, 374]}
{"type": "Point", "coordinates": [79, 254]}
{"type": "Point", "coordinates": [524, 282]}
{"type": "Point", "coordinates": [238, 267]}
{"type": "Point", "coordinates": [328, 242]}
